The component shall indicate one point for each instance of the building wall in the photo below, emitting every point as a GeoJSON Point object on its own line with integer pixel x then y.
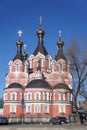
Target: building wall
{"type": "Point", "coordinates": [58, 101]}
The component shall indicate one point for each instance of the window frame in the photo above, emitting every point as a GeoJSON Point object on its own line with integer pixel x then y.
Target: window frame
{"type": "Point", "coordinates": [37, 109]}
{"type": "Point", "coordinates": [12, 109]}
{"type": "Point", "coordinates": [15, 97]}
{"type": "Point", "coordinates": [29, 96]}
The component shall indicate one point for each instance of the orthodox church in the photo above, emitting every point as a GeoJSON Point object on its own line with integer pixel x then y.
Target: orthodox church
{"type": "Point", "coordinates": [37, 86]}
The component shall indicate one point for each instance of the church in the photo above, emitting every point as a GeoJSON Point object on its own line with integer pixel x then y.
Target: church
{"type": "Point", "coordinates": [38, 87]}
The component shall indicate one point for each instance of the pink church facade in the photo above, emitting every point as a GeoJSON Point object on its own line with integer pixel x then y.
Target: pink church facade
{"type": "Point", "coordinates": [38, 87]}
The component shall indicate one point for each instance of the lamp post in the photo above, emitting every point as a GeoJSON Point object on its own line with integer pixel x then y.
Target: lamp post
{"type": "Point", "coordinates": [22, 103]}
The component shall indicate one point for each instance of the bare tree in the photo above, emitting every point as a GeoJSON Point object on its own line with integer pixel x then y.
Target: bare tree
{"type": "Point", "coordinates": [83, 92]}
{"type": "Point", "coordinates": [78, 70]}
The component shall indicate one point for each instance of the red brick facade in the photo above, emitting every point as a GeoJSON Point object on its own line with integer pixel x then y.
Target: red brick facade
{"type": "Point", "coordinates": [44, 83]}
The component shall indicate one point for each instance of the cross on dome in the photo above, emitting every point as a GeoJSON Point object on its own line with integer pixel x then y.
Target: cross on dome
{"type": "Point", "coordinates": [40, 21]}
{"type": "Point", "coordinates": [25, 46]}
{"type": "Point", "coordinates": [60, 34]}
{"type": "Point", "coordinates": [20, 33]}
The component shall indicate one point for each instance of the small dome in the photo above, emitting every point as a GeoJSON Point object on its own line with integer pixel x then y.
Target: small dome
{"type": "Point", "coordinates": [24, 55]}
{"type": "Point", "coordinates": [40, 32]}
{"type": "Point", "coordinates": [15, 85]}
{"type": "Point", "coordinates": [38, 83]}
{"type": "Point", "coordinates": [62, 86]}
{"type": "Point", "coordinates": [19, 43]}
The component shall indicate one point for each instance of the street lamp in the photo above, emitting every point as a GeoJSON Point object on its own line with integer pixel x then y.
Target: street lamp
{"type": "Point", "coordinates": [23, 105]}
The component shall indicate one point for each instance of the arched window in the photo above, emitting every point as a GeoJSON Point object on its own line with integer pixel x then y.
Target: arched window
{"type": "Point", "coordinates": [46, 96]}
{"type": "Point", "coordinates": [46, 109]}
{"type": "Point", "coordinates": [48, 63]}
{"type": "Point", "coordinates": [37, 109]}
{"type": "Point", "coordinates": [13, 109]}
{"type": "Point", "coordinates": [69, 96]}
{"type": "Point", "coordinates": [13, 96]}
{"type": "Point", "coordinates": [17, 67]}
{"type": "Point", "coordinates": [62, 96]}
{"type": "Point", "coordinates": [62, 109]}
{"type": "Point", "coordinates": [24, 68]}
{"type": "Point", "coordinates": [5, 96]}
{"type": "Point", "coordinates": [29, 96]}
{"type": "Point", "coordinates": [37, 96]}
{"type": "Point", "coordinates": [28, 109]}
{"type": "Point", "coordinates": [61, 67]}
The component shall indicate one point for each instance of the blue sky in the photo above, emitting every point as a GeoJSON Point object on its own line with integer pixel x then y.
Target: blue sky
{"type": "Point", "coordinates": [69, 16]}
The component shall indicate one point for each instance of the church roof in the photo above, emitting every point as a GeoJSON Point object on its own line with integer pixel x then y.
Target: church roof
{"type": "Point", "coordinates": [62, 86]}
{"type": "Point", "coordinates": [40, 48]}
{"type": "Point", "coordinates": [60, 44]}
{"type": "Point", "coordinates": [18, 56]}
{"type": "Point", "coordinates": [38, 83]}
{"type": "Point", "coordinates": [14, 85]}
{"type": "Point", "coordinates": [60, 56]}
{"type": "Point", "coordinates": [20, 44]}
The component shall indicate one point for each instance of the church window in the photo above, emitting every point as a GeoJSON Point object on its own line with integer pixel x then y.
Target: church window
{"type": "Point", "coordinates": [13, 96]}
{"type": "Point", "coordinates": [5, 97]}
{"type": "Point", "coordinates": [30, 63]}
{"type": "Point", "coordinates": [62, 96]}
{"type": "Point", "coordinates": [37, 109]}
{"type": "Point", "coordinates": [24, 68]}
{"type": "Point", "coordinates": [46, 95]}
{"type": "Point", "coordinates": [13, 109]}
{"type": "Point", "coordinates": [69, 96]}
{"type": "Point", "coordinates": [48, 64]}
{"type": "Point", "coordinates": [46, 109]}
{"type": "Point", "coordinates": [17, 67]}
{"type": "Point", "coordinates": [39, 64]}
{"type": "Point", "coordinates": [62, 109]}
{"type": "Point", "coordinates": [29, 96]}
{"type": "Point", "coordinates": [61, 67]}
{"type": "Point", "coordinates": [28, 109]}
{"type": "Point", "coordinates": [37, 96]}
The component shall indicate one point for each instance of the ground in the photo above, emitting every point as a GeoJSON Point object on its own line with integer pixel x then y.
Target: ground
{"type": "Point", "coordinates": [43, 127]}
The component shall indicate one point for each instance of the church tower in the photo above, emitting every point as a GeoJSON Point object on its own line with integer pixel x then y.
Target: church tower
{"type": "Point", "coordinates": [16, 80]}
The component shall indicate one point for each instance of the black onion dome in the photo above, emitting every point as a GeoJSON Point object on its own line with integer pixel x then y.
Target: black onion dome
{"type": "Point", "coordinates": [60, 45]}
{"type": "Point", "coordinates": [60, 56]}
{"type": "Point", "coordinates": [38, 83]}
{"type": "Point", "coordinates": [19, 55]}
{"type": "Point", "coordinates": [62, 86]}
{"type": "Point", "coordinates": [15, 85]}
{"type": "Point", "coordinates": [40, 48]}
